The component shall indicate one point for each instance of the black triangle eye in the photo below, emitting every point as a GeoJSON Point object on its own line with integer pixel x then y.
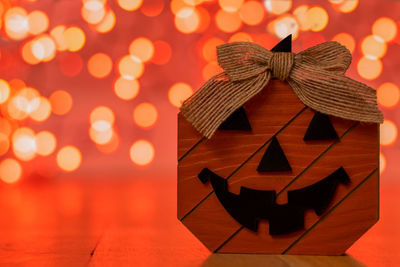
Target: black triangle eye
{"type": "Point", "coordinates": [274, 160]}
{"type": "Point", "coordinates": [236, 121]}
{"type": "Point", "coordinates": [320, 128]}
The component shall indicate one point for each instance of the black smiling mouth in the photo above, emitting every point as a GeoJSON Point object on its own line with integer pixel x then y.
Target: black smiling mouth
{"type": "Point", "coordinates": [251, 206]}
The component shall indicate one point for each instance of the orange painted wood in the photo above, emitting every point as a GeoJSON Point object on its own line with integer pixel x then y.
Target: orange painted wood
{"type": "Point", "coordinates": [312, 161]}
{"type": "Point", "coordinates": [201, 221]}
{"type": "Point", "coordinates": [187, 136]}
{"type": "Point", "coordinates": [299, 153]}
{"type": "Point", "coordinates": [268, 112]}
{"type": "Point", "coordinates": [345, 224]}
{"type": "Point", "coordinates": [356, 152]}
{"type": "Point", "coordinates": [211, 224]}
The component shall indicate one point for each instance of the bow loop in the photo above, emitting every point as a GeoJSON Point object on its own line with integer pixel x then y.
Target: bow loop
{"type": "Point", "coordinates": [329, 56]}
{"type": "Point", "coordinates": [242, 60]}
{"type": "Point", "coordinates": [316, 76]}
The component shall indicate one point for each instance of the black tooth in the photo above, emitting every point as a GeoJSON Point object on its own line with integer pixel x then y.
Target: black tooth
{"type": "Point", "coordinates": [204, 175]}
{"type": "Point", "coordinates": [342, 175]}
{"type": "Point", "coordinates": [286, 219]}
{"type": "Point", "coordinates": [251, 205]}
{"type": "Point", "coordinates": [318, 196]}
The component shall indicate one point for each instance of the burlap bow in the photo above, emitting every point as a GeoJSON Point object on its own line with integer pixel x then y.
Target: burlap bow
{"type": "Point", "coordinates": [315, 74]}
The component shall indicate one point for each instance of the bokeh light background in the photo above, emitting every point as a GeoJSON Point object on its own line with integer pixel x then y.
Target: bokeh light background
{"type": "Point", "coordinates": [91, 89]}
{"type": "Point", "coordinates": [94, 86]}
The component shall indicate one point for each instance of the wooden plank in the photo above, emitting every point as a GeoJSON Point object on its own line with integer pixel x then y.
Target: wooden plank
{"type": "Point", "coordinates": [44, 224]}
{"type": "Point", "coordinates": [268, 112]}
{"type": "Point", "coordinates": [241, 260]}
{"type": "Point", "coordinates": [345, 224]}
{"type": "Point", "coordinates": [142, 230]}
{"type": "Point", "coordinates": [188, 137]}
{"type": "Point", "coordinates": [379, 246]}
{"type": "Point", "coordinates": [211, 223]}
{"type": "Point", "coordinates": [200, 222]}
{"type": "Point", "coordinates": [356, 152]}
{"type": "Point", "coordinates": [299, 153]}
{"type": "Point", "coordinates": [149, 245]}
{"type": "Point", "coordinates": [46, 247]}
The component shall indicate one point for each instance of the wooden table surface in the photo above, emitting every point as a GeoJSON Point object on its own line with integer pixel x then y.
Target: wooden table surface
{"type": "Point", "coordinates": [113, 221]}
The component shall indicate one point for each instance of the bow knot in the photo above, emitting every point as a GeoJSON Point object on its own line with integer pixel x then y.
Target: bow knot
{"type": "Point", "coordinates": [316, 75]}
{"type": "Point", "coordinates": [281, 64]}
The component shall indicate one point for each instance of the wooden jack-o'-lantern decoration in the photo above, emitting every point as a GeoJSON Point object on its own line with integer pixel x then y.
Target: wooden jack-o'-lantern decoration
{"type": "Point", "coordinates": [279, 177]}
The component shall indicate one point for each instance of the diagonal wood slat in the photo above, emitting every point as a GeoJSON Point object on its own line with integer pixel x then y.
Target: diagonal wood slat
{"type": "Point", "coordinates": [188, 137]}
{"type": "Point", "coordinates": [357, 153]}
{"type": "Point", "coordinates": [299, 153]}
{"type": "Point", "coordinates": [354, 216]}
{"type": "Point", "coordinates": [268, 113]}
{"type": "Point", "coordinates": [357, 150]}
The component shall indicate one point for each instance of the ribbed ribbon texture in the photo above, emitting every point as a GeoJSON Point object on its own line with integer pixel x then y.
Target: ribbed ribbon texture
{"type": "Point", "coordinates": [315, 74]}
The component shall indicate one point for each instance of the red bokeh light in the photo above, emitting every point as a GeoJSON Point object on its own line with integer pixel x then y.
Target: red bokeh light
{"type": "Point", "coordinates": [110, 76]}
{"type": "Point", "coordinates": [70, 64]}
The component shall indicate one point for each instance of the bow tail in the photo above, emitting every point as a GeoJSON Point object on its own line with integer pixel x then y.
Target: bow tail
{"type": "Point", "coordinates": [335, 94]}
{"type": "Point", "coordinates": [218, 98]}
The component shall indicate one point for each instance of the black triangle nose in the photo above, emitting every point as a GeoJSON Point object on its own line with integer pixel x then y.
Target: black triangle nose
{"type": "Point", "coordinates": [274, 159]}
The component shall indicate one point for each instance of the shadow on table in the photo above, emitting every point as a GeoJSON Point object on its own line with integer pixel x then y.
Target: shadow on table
{"type": "Point", "coordinates": [234, 260]}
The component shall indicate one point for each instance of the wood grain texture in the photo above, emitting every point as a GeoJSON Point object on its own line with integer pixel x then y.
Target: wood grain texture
{"type": "Point", "coordinates": [240, 260]}
{"type": "Point", "coordinates": [356, 153]}
{"type": "Point", "coordinates": [267, 113]}
{"type": "Point", "coordinates": [345, 224]}
{"type": "Point", "coordinates": [311, 161]}
{"type": "Point", "coordinates": [205, 216]}
{"type": "Point", "coordinates": [131, 221]}
{"type": "Point", "coordinates": [211, 223]}
{"type": "Point", "coordinates": [299, 153]}
{"type": "Point", "coordinates": [188, 137]}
